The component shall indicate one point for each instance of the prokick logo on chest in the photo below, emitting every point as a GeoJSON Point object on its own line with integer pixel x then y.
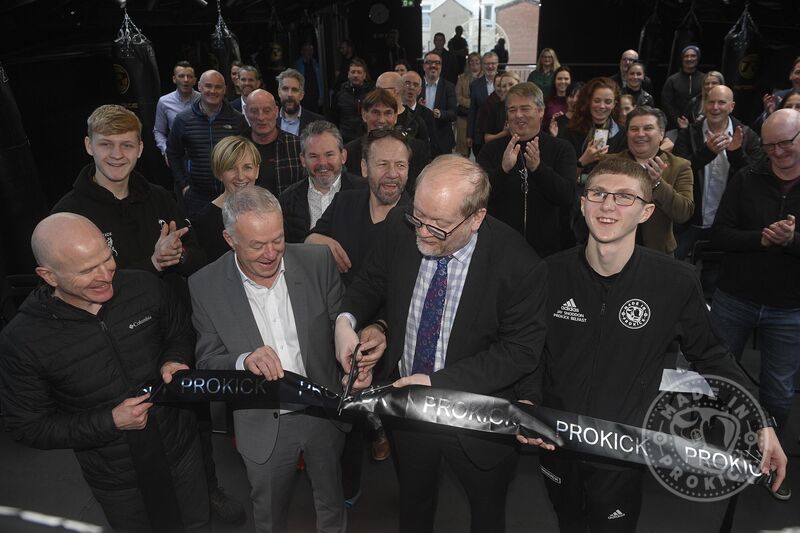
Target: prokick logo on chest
{"type": "Point", "coordinates": [634, 313]}
{"type": "Point", "coordinates": [570, 311]}
{"type": "Point", "coordinates": [707, 448]}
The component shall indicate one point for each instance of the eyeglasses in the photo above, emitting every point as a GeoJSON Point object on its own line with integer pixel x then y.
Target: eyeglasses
{"type": "Point", "coordinates": [429, 62]}
{"type": "Point", "coordinates": [439, 233]}
{"type": "Point", "coordinates": [620, 198]}
{"type": "Point", "coordinates": [783, 145]}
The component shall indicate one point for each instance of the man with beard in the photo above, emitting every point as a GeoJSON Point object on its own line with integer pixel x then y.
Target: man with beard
{"type": "Point", "coordinates": [280, 152]}
{"type": "Point", "coordinates": [173, 103]}
{"type": "Point", "coordinates": [440, 98]}
{"type": "Point", "coordinates": [293, 118]}
{"type": "Point", "coordinates": [682, 86]}
{"type": "Point", "coordinates": [479, 91]}
{"type": "Point", "coordinates": [379, 111]}
{"type": "Point", "coordinates": [323, 156]}
{"type": "Point", "coordinates": [458, 318]}
{"type": "Point", "coordinates": [192, 137]}
{"type": "Point", "coordinates": [352, 222]}
{"type": "Point", "coordinates": [532, 174]}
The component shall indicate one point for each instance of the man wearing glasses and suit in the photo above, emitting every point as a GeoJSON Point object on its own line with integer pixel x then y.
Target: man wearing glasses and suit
{"type": "Point", "coordinates": [463, 296]}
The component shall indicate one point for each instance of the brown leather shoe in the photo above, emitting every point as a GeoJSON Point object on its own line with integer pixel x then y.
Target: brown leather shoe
{"type": "Point", "coordinates": [380, 446]}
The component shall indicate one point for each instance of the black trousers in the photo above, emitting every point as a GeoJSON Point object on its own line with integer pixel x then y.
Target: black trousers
{"type": "Point", "coordinates": [418, 455]}
{"type": "Point", "coordinates": [588, 497]}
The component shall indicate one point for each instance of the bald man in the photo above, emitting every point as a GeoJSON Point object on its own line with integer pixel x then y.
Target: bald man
{"type": "Point", "coordinates": [627, 58]}
{"type": "Point", "coordinates": [280, 151]}
{"type": "Point", "coordinates": [718, 146]}
{"type": "Point", "coordinates": [193, 136]}
{"type": "Point", "coordinates": [73, 362]}
{"type": "Point", "coordinates": [757, 287]}
{"type": "Point", "coordinates": [486, 335]}
{"type": "Point", "coordinates": [414, 125]}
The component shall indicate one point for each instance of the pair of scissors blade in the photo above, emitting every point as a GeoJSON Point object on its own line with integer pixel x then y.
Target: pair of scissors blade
{"type": "Point", "coordinates": [350, 378]}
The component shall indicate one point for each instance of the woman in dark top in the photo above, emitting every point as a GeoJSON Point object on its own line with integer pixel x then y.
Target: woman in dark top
{"type": "Point", "coordinates": [592, 129]}
{"type": "Point", "coordinates": [633, 85]}
{"type": "Point", "coordinates": [560, 121]}
{"type": "Point", "coordinates": [234, 161]}
{"type": "Point", "coordinates": [557, 103]}
{"type": "Point", "coordinates": [493, 110]}
{"type": "Point", "coordinates": [546, 68]}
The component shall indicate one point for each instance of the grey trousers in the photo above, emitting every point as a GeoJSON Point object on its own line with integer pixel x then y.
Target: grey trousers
{"type": "Point", "coordinates": [271, 483]}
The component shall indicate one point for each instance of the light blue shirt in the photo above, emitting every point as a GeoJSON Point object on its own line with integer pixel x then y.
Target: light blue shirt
{"type": "Point", "coordinates": [430, 93]}
{"type": "Point", "coordinates": [291, 125]}
{"type": "Point", "coordinates": [457, 270]}
{"type": "Point", "coordinates": [168, 106]}
{"type": "Point", "coordinates": [715, 178]}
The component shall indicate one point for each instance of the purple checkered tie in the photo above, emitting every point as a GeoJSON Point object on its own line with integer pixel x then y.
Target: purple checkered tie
{"type": "Point", "coordinates": [430, 322]}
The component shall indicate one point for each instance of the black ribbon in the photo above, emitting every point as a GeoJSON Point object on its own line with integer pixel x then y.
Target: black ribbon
{"type": "Point", "coordinates": [474, 412]}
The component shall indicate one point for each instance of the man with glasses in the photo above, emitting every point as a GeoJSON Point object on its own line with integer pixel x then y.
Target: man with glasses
{"type": "Point", "coordinates": [628, 58]}
{"type": "Point", "coordinates": [479, 91]}
{"type": "Point", "coordinates": [532, 174]}
{"type": "Point", "coordinates": [462, 295]}
{"type": "Point", "coordinates": [440, 98]}
{"type": "Point", "coordinates": [758, 287]}
{"type": "Point", "coordinates": [611, 321]}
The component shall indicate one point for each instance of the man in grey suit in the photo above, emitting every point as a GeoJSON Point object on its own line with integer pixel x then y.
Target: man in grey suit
{"type": "Point", "coordinates": [267, 306]}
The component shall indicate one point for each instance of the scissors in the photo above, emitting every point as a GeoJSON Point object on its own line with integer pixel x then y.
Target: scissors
{"type": "Point", "coordinates": [350, 379]}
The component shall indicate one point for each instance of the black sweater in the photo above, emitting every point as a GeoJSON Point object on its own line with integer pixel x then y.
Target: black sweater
{"type": "Point", "coordinates": [763, 275]}
{"type": "Point", "coordinates": [131, 225]}
{"type": "Point", "coordinates": [551, 192]}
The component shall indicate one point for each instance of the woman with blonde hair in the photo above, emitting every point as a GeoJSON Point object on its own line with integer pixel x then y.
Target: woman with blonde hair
{"type": "Point", "coordinates": [472, 71]}
{"type": "Point", "coordinates": [235, 162]}
{"type": "Point", "coordinates": [696, 106]}
{"type": "Point", "coordinates": [545, 71]}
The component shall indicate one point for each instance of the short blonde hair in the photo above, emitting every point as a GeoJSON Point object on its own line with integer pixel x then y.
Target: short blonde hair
{"type": "Point", "coordinates": [229, 151]}
{"type": "Point", "coordinates": [112, 119]}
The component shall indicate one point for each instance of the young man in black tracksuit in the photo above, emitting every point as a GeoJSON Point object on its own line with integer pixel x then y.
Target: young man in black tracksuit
{"type": "Point", "coordinates": [612, 318]}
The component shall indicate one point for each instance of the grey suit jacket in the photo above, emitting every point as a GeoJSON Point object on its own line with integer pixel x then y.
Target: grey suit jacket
{"type": "Point", "coordinates": [226, 329]}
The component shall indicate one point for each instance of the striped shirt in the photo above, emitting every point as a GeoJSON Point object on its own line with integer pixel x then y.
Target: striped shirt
{"type": "Point", "coordinates": [456, 276]}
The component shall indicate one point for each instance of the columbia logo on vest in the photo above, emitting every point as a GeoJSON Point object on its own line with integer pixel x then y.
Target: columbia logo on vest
{"type": "Point", "coordinates": [140, 322]}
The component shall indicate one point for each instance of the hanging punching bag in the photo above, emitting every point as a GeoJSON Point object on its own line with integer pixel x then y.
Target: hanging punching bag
{"type": "Point", "coordinates": [650, 41]}
{"type": "Point", "coordinates": [138, 89]}
{"type": "Point", "coordinates": [225, 47]}
{"type": "Point", "coordinates": [21, 200]}
{"type": "Point", "coordinates": [688, 32]}
{"type": "Point", "coordinates": [741, 61]}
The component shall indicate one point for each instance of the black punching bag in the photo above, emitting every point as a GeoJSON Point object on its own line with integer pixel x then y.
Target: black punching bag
{"type": "Point", "coordinates": [688, 32]}
{"type": "Point", "coordinates": [22, 203]}
{"type": "Point", "coordinates": [225, 46]}
{"type": "Point", "coordinates": [650, 40]}
{"type": "Point", "coordinates": [138, 89]}
{"type": "Point", "coordinates": [741, 61]}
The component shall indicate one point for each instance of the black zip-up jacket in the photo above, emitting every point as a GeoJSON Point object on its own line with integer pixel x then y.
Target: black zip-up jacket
{"type": "Point", "coordinates": [677, 91]}
{"type": "Point", "coordinates": [608, 339]}
{"type": "Point", "coordinates": [131, 226]}
{"type": "Point", "coordinates": [190, 142]}
{"type": "Point", "coordinates": [63, 370]}
{"type": "Point", "coordinates": [691, 145]}
{"type": "Point", "coordinates": [763, 275]}
{"type": "Point", "coordinates": [346, 109]}
{"type": "Point", "coordinates": [551, 192]}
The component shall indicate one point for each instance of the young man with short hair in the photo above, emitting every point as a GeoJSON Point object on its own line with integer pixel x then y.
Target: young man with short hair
{"type": "Point", "coordinates": [605, 359]}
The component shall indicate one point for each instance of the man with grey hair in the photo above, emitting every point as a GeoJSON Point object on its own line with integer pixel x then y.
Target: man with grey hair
{"type": "Point", "coordinates": [460, 319]}
{"type": "Point", "coordinates": [267, 307]}
{"type": "Point", "coordinates": [532, 174]}
{"type": "Point", "coordinates": [757, 288]}
{"type": "Point", "coordinates": [72, 365]}
{"type": "Point", "coordinates": [292, 118]}
{"type": "Point", "coordinates": [323, 156]}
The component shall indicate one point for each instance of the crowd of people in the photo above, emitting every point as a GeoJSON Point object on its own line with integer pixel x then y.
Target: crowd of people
{"type": "Point", "coordinates": [427, 231]}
